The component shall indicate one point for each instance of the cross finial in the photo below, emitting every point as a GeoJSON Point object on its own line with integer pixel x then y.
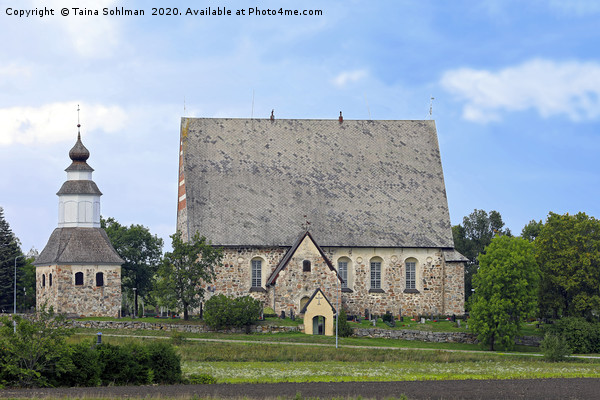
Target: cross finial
{"type": "Point", "coordinates": [306, 223]}
{"type": "Point", "coordinates": [78, 124]}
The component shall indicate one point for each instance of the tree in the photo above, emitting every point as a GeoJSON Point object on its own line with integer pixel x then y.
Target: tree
{"type": "Point", "coordinates": [506, 288]}
{"type": "Point", "coordinates": [222, 311]}
{"type": "Point", "coordinates": [471, 238]}
{"type": "Point", "coordinates": [532, 230]}
{"type": "Point", "coordinates": [182, 271]}
{"type": "Point", "coordinates": [36, 350]}
{"type": "Point", "coordinates": [9, 251]}
{"type": "Point", "coordinates": [141, 252]}
{"type": "Point", "coordinates": [568, 252]}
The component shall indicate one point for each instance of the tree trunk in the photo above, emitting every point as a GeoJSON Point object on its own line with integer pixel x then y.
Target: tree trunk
{"type": "Point", "coordinates": [492, 343]}
{"type": "Point", "coordinates": [185, 312]}
{"type": "Point", "coordinates": [135, 302]}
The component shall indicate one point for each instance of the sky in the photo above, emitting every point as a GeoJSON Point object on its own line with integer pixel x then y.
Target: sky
{"type": "Point", "coordinates": [515, 88]}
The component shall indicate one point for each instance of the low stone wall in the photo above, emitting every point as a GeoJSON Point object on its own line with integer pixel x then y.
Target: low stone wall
{"type": "Point", "coordinates": [437, 337]}
{"type": "Point", "coordinates": [160, 326]}
{"type": "Point", "coordinates": [424, 336]}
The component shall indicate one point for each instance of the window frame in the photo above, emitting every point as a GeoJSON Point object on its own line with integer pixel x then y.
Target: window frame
{"type": "Point", "coordinates": [256, 273]}
{"type": "Point", "coordinates": [101, 275]}
{"type": "Point", "coordinates": [79, 274]}
{"type": "Point", "coordinates": [343, 271]}
{"type": "Point", "coordinates": [375, 273]}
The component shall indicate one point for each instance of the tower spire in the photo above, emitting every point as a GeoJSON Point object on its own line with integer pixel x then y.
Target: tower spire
{"type": "Point", "coordinates": [78, 124]}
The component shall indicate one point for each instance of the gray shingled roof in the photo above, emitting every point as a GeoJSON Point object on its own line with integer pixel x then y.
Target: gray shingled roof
{"type": "Point", "coordinates": [68, 246]}
{"type": "Point", "coordinates": [360, 183]}
{"type": "Point", "coordinates": [79, 187]}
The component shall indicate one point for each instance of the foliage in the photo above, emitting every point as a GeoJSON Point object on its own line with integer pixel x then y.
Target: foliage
{"type": "Point", "coordinates": [532, 230]}
{"type": "Point", "coordinates": [344, 328]}
{"type": "Point", "coordinates": [36, 351]}
{"type": "Point", "coordinates": [201, 379]}
{"type": "Point", "coordinates": [141, 252]}
{"type": "Point", "coordinates": [582, 336]}
{"type": "Point", "coordinates": [9, 251]}
{"type": "Point", "coordinates": [505, 291]}
{"type": "Point", "coordinates": [568, 252]}
{"type": "Point", "coordinates": [221, 311]}
{"type": "Point", "coordinates": [471, 238]}
{"type": "Point", "coordinates": [85, 369]}
{"type": "Point", "coordinates": [555, 347]}
{"type": "Point", "coordinates": [164, 362]}
{"type": "Point", "coordinates": [183, 271]}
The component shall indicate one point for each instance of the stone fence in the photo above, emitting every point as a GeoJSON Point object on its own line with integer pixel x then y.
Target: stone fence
{"type": "Point", "coordinates": [160, 326]}
{"type": "Point", "coordinates": [406, 334]}
{"type": "Point", "coordinates": [437, 337]}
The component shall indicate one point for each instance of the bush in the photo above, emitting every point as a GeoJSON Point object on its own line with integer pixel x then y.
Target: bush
{"type": "Point", "coordinates": [201, 379]}
{"type": "Point", "coordinates": [554, 347]}
{"type": "Point", "coordinates": [124, 365]}
{"type": "Point", "coordinates": [344, 328]}
{"type": "Point", "coordinates": [221, 311]}
{"type": "Point", "coordinates": [164, 362]}
{"type": "Point", "coordinates": [85, 367]}
{"type": "Point", "coordinates": [581, 336]}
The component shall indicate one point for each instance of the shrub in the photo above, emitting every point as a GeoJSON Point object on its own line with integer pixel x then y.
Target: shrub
{"type": "Point", "coordinates": [164, 363]}
{"type": "Point", "coordinates": [554, 347]}
{"type": "Point", "coordinates": [344, 328]}
{"type": "Point", "coordinates": [85, 369]}
{"type": "Point", "coordinates": [201, 379]}
{"type": "Point", "coordinates": [221, 311]}
{"type": "Point", "coordinates": [582, 336]}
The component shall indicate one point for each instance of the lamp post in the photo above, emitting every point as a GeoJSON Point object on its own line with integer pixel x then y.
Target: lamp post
{"type": "Point", "coordinates": [134, 305]}
{"type": "Point", "coordinates": [15, 296]}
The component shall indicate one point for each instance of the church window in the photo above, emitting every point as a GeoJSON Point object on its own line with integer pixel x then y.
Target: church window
{"type": "Point", "coordinates": [343, 271]}
{"type": "Point", "coordinates": [43, 280]}
{"type": "Point", "coordinates": [375, 274]}
{"type": "Point", "coordinates": [306, 266]}
{"type": "Point", "coordinates": [79, 278]}
{"type": "Point", "coordinates": [411, 275]}
{"type": "Point", "coordinates": [257, 273]}
{"type": "Point", "coordinates": [99, 279]}
{"type": "Point", "coordinates": [50, 280]}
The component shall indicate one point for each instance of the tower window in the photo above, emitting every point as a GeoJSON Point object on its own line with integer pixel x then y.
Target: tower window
{"type": "Point", "coordinates": [50, 280]}
{"type": "Point", "coordinates": [43, 280]}
{"type": "Point", "coordinates": [306, 266]}
{"type": "Point", "coordinates": [79, 278]}
{"type": "Point", "coordinates": [99, 279]}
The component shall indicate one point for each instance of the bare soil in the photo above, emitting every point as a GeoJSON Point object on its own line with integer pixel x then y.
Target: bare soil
{"type": "Point", "coordinates": [577, 388]}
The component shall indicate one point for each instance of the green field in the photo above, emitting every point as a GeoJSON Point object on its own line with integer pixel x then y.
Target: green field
{"type": "Point", "coordinates": [295, 357]}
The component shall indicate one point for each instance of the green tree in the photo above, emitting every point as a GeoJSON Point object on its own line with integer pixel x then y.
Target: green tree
{"type": "Point", "coordinates": [36, 351]}
{"type": "Point", "coordinates": [532, 230]}
{"type": "Point", "coordinates": [568, 252]}
{"type": "Point", "coordinates": [506, 288]}
{"type": "Point", "coordinates": [471, 238]}
{"type": "Point", "coordinates": [183, 271]}
{"type": "Point", "coordinates": [9, 251]}
{"type": "Point", "coordinates": [221, 311]}
{"type": "Point", "coordinates": [142, 253]}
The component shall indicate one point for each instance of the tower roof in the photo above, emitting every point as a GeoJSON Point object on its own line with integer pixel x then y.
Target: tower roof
{"type": "Point", "coordinates": [79, 155]}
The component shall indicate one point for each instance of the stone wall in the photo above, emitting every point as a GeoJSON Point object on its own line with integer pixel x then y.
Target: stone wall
{"type": "Point", "coordinates": [55, 286]}
{"type": "Point", "coordinates": [439, 285]}
{"type": "Point", "coordinates": [168, 327]}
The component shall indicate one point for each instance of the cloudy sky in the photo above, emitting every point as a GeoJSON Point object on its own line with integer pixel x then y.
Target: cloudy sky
{"type": "Point", "coordinates": [516, 87]}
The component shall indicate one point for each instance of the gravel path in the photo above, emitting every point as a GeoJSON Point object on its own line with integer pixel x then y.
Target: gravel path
{"type": "Point", "coordinates": [577, 388]}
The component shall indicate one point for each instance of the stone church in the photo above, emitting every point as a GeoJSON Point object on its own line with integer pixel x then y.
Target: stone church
{"type": "Point", "coordinates": [79, 272]}
{"type": "Point", "coordinates": [355, 208]}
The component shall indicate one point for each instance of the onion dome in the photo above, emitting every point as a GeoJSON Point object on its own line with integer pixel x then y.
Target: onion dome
{"type": "Point", "coordinates": [79, 153]}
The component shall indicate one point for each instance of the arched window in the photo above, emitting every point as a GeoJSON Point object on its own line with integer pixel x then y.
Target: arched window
{"type": "Point", "coordinates": [256, 273]}
{"type": "Point", "coordinates": [79, 278]}
{"type": "Point", "coordinates": [99, 279]}
{"type": "Point", "coordinates": [344, 269]}
{"type": "Point", "coordinates": [43, 280]}
{"type": "Point", "coordinates": [306, 266]}
{"type": "Point", "coordinates": [376, 274]}
{"type": "Point", "coordinates": [411, 273]}
{"type": "Point", "coordinates": [50, 280]}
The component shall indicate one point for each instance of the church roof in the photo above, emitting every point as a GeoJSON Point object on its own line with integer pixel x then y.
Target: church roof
{"type": "Point", "coordinates": [79, 187]}
{"type": "Point", "coordinates": [360, 183]}
{"type": "Point", "coordinates": [68, 246]}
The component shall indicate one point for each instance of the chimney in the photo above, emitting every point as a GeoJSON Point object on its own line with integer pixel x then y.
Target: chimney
{"type": "Point", "coordinates": [341, 119]}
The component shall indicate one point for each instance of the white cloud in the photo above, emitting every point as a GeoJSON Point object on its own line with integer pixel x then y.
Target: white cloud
{"type": "Point", "coordinates": [90, 36]}
{"type": "Point", "coordinates": [551, 88]}
{"type": "Point", "coordinates": [56, 122]}
{"type": "Point", "coordinates": [346, 77]}
{"type": "Point", "coordinates": [13, 70]}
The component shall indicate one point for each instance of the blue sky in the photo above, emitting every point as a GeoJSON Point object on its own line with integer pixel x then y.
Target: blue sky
{"type": "Point", "coordinates": [516, 87]}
